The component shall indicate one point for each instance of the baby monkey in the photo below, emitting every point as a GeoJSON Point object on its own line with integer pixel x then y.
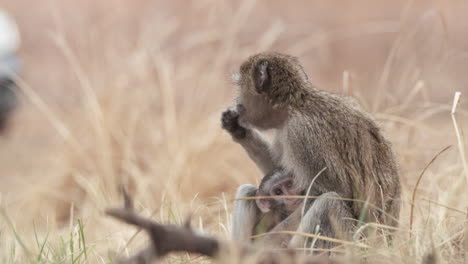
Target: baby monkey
{"type": "Point", "coordinates": [276, 183]}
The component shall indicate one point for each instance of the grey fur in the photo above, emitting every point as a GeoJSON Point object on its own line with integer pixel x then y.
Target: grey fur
{"type": "Point", "coordinates": [245, 214]}
{"type": "Point", "coordinates": [334, 220]}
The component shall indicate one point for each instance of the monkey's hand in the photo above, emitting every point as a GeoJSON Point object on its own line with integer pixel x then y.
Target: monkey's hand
{"type": "Point", "coordinates": [230, 122]}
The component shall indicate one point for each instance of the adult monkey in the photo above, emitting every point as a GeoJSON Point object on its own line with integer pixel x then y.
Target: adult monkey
{"type": "Point", "coordinates": [315, 131]}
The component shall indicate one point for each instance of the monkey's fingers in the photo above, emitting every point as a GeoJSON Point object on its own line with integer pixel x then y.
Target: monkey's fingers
{"type": "Point", "coordinates": [229, 119]}
{"type": "Point", "coordinates": [230, 122]}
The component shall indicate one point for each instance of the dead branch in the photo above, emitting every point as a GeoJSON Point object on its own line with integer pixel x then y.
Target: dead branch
{"type": "Point", "coordinates": [168, 238]}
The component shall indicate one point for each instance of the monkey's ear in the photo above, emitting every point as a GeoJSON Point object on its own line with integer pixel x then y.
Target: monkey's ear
{"type": "Point", "coordinates": [264, 205]}
{"type": "Point", "coordinates": [261, 77]}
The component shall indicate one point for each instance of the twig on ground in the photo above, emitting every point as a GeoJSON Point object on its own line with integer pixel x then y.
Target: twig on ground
{"type": "Point", "coordinates": [413, 198]}
{"type": "Point", "coordinates": [166, 238]}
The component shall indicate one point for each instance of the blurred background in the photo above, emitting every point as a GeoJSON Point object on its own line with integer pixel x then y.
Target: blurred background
{"type": "Point", "coordinates": [131, 92]}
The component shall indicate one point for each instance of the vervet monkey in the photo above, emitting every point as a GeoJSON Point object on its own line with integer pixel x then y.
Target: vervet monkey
{"type": "Point", "coordinates": [326, 141]}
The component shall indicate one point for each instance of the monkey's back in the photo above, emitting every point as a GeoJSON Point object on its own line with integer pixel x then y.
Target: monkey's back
{"type": "Point", "coordinates": [333, 132]}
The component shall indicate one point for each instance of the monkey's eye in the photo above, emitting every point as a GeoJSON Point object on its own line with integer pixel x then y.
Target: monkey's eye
{"type": "Point", "coordinates": [289, 185]}
{"type": "Point", "coordinates": [278, 192]}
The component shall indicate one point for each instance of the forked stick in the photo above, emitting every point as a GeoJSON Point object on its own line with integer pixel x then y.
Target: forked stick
{"type": "Point", "coordinates": [165, 238]}
{"type": "Point", "coordinates": [168, 238]}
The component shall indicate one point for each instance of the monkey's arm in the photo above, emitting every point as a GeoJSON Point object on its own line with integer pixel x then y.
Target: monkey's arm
{"type": "Point", "coordinates": [255, 145]}
{"type": "Point", "coordinates": [259, 151]}
{"type": "Point", "coordinates": [328, 216]}
{"type": "Point", "coordinates": [245, 214]}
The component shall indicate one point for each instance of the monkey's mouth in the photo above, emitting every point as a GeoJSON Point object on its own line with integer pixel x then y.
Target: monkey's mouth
{"type": "Point", "coordinates": [293, 203]}
{"type": "Point", "coordinates": [240, 108]}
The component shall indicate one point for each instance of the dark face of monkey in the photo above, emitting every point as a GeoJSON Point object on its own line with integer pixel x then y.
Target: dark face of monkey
{"type": "Point", "coordinates": [277, 183]}
{"type": "Point", "coordinates": [264, 93]}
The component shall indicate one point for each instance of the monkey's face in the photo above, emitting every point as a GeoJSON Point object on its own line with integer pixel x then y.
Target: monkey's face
{"type": "Point", "coordinates": [273, 187]}
{"type": "Point", "coordinates": [257, 109]}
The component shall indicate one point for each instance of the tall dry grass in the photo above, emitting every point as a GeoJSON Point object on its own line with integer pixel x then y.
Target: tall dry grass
{"type": "Point", "coordinates": [132, 94]}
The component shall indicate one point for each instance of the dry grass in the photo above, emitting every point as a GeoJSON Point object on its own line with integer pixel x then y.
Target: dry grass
{"type": "Point", "coordinates": [117, 94]}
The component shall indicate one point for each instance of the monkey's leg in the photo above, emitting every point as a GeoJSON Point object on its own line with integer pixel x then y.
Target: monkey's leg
{"type": "Point", "coordinates": [327, 216]}
{"type": "Point", "coordinates": [245, 214]}
{"type": "Point", "coordinates": [276, 240]}
{"type": "Point", "coordinates": [254, 144]}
